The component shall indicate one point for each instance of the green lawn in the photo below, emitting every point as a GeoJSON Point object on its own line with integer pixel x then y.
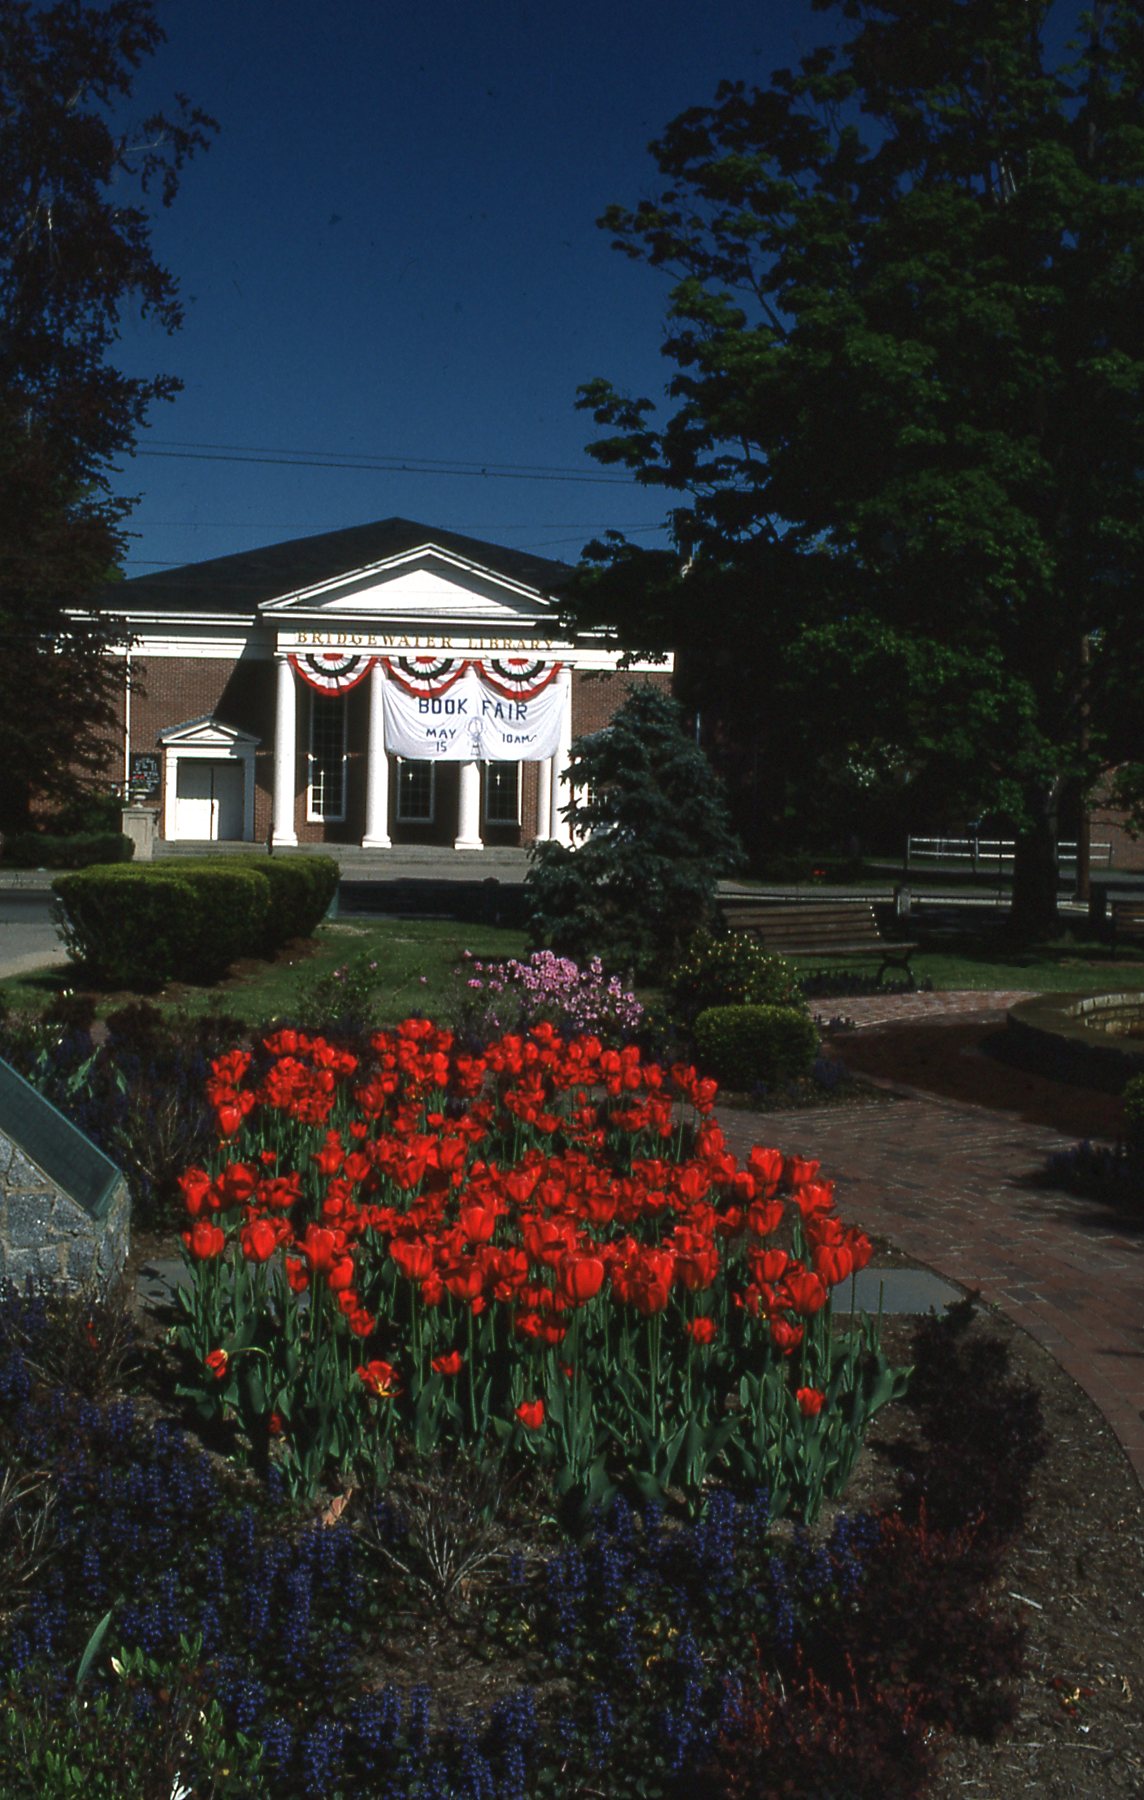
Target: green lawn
{"type": "Point", "coordinates": [415, 959]}
{"type": "Point", "coordinates": [989, 959]}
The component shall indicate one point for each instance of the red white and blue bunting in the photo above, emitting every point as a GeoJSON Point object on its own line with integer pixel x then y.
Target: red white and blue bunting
{"type": "Point", "coordinates": [332, 671]}
{"type": "Point", "coordinates": [425, 675]}
{"type": "Point", "coordinates": [518, 677]}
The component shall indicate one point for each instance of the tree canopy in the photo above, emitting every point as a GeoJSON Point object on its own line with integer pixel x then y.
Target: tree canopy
{"type": "Point", "coordinates": [76, 185]}
{"type": "Point", "coordinates": [904, 420]}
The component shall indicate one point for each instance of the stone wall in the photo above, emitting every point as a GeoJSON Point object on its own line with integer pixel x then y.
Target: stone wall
{"type": "Point", "coordinates": [46, 1236]}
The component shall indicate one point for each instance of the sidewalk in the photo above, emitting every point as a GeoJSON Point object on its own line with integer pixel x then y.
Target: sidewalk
{"type": "Point", "coordinates": [959, 1189]}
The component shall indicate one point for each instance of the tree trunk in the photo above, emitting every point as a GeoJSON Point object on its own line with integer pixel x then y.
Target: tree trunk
{"type": "Point", "coordinates": [1034, 907]}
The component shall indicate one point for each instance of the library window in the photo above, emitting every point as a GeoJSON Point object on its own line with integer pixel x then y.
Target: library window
{"type": "Point", "coordinates": [327, 759]}
{"type": "Point", "coordinates": [502, 793]}
{"type": "Point", "coordinates": [415, 792]}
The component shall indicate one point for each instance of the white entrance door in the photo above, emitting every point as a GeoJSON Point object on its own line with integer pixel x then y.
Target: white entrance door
{"type": "Point", "coordinates": [208, 799]}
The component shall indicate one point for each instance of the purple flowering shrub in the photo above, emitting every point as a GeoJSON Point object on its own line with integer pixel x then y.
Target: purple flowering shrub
{"type": "Point", "coordinates": [495, 997]}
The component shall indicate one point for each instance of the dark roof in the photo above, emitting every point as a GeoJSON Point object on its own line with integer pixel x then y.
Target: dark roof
{"type": "Point", "coordinates": [239, 584]}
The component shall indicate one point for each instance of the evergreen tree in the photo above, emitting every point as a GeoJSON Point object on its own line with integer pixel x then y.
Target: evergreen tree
{"type": "Point", "coordinates": [906, 426]}
{"type": "Point", "coordinates": [651, 839]}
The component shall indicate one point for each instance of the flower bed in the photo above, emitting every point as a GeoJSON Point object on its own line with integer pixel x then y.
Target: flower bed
{"type": "Point", "coordinates": [235, 1646]}
{"type": "Point", "coordinates": [544, 1248]}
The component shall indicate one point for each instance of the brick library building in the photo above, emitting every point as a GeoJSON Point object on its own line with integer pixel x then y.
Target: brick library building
{"type": "Point", "coordinates": [384, 685]}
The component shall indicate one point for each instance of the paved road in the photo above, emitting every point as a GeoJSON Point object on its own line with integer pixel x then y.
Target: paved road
{"type": "Point", "coordinates": [28, 938]}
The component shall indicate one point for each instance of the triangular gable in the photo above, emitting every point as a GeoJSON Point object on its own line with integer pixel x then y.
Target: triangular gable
{"type": "Point", "coordinates": [205, 733]}
{"type": "Point", "coordinates": [427, 587]}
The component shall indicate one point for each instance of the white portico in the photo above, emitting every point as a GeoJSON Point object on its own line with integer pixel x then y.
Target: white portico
{"type": "Point", "coordinates": [443, 647]}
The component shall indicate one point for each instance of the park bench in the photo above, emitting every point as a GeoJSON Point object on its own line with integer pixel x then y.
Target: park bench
{"type": "Point", "coordinates": [1126, 919]}
{"type": "Point", "coordinates": [829, 928]}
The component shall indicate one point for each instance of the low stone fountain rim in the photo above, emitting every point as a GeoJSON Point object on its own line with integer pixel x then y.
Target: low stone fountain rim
{"type": "Point", "coordinates": [1058, 1029]}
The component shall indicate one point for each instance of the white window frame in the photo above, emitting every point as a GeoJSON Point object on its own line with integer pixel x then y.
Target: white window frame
{"type": "Point", "coordinates": [500, 819]}
{"type": "Point", "coordinates": [421, 818]}
{"type": "Point", "coordinates": [318, 814]}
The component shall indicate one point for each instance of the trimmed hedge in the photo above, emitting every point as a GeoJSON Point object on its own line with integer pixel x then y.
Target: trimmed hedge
{"type": "Point", "coordinates": [70, 850]}
{"type": "Point", "coordinates": [301, 889]}
{"type": "Point", "coordinates": [189, 921]}
{"type": "Point", "coordinates": [751, 1046]}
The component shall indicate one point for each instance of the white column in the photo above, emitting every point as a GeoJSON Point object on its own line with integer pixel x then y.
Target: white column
{"type": "Point", "coordinates": [285, 754]}
{"type": "Point", "coordinates": [377, 771]}
{"type": "Point", "coordinates": [561, 787]}
{"type": "Point", "coordinates": [544, 800]}
{"type": "Point", "coordinates": [469, 810]}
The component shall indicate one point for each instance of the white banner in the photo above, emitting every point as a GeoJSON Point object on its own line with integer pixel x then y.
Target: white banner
{"type": "Point", "coordinates": [472, 722]}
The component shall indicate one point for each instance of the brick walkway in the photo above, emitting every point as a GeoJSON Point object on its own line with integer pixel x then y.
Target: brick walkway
{"type": "Point", "coordinates": [957, 1188]}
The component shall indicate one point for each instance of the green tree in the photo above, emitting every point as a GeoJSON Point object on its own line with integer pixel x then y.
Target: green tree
{"type": "Point", "coordinates": [75, 251]}
{"type": "Point", "coordinates": [906, 425]}
{"type": "Point", "coordinates": [652, 837]}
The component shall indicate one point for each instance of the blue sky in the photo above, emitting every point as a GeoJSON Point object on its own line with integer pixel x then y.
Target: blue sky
{"type": "Point", "coordinates": [390, 252]}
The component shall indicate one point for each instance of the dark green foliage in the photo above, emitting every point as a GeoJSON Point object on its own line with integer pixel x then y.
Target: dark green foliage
{"type": "Point", "coordinates": [706, 1659]}
{"type": "Point", "coordinates": [1133, 1099]}
{"type": "Point", "coordinates": [731, 970]}
{"type": "Point", "coordinates": [144, 925]}
{"type": "Point", "coordinates": [154, 1720]}
{"type": "Point", "coordinates": [78, 175]}
{"type": "Point", "coordinates": [132, 926]}
{"type": "Point", "coordinates": [189, 920]}
{"type": "Point", "coordinates": [301, 889]}
{"type": "Point", "coordinates": [751, 1046]}
{"type": "Point", "coordinates": [905, 425]}
{"type": "Point", "coordinates": [80, 850]}
{"type": "Point", "coordinates": [137, 1092]}
{"type": "Point", "coordinates": [652, 839]}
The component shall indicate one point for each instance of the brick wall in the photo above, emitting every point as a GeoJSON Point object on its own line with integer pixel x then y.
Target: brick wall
{"type": "Point", "coordinates": [170, 691]}
{"type": "Point", "coordinates": [596, 697]}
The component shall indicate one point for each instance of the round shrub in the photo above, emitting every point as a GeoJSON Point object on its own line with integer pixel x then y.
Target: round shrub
{"type": "Point", "coordinates": [731, 970]}
{"type": "Point", "coordinates": [751, 1046]}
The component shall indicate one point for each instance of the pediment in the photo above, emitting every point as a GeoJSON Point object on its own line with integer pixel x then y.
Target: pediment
{"type": "Point", "coordinates": [206, 733]}
{"type": "Point", "coordinates": [425, 589]}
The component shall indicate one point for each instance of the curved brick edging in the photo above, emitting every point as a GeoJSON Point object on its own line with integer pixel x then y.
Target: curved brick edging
{"type": "Point", "coordinates": [956, 1187]}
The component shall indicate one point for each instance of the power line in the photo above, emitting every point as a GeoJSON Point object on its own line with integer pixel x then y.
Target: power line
{"type": "Point", "coordinates": [368, 455]}
{"type": "Point", "coordinates": [388, 465]}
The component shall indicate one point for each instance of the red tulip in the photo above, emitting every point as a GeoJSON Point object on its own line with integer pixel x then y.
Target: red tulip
{"type": "Point", "coordinates": [379, 1378]}
{"type": "Point", "coordinates": [806, 1289]}
{"type": "Point", "coordinates": [198, 1192]}
{"type": "Point", "coordinates": [579, 1278]}
{"type": "Point", "coordinates": [531, 1414]}
{"type": "Point", "coordinates": [413, 1257]}
{"type": "Point", "coordinates": [810, 1401]}
{"type": "Point", "coordinates": [260, 1239]}
{"type": "Point", "coordinates": [833, 1263]}
{"type": "Point", "coordinates": [204, 1240]}
{"type": "Point", "coordinates": [784, 1336]}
